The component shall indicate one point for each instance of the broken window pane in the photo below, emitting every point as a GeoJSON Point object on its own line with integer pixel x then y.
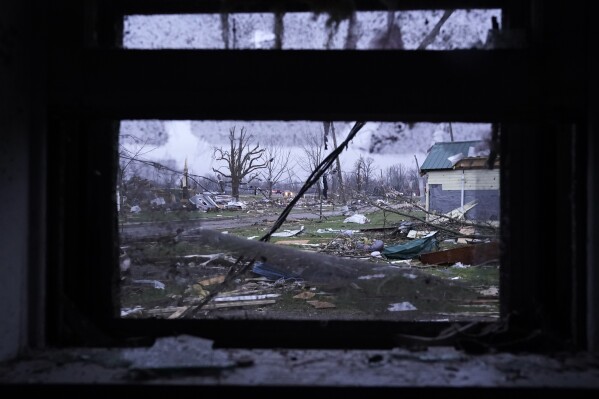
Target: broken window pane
{"type": "Point", "coordinates": [359, 30]}
{"type": "Point", "coordinates": [403, 225]}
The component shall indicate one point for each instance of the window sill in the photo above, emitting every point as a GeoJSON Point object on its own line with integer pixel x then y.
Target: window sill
{"type": "Point", "coordinates": [188, 362]}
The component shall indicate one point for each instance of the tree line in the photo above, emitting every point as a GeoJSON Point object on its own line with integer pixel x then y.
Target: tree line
{"type": "Point", "coordinates": [246, 165]}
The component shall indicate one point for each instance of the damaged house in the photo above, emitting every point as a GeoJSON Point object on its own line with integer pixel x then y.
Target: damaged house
{"type": "Point", "coordinates": [457, 176]}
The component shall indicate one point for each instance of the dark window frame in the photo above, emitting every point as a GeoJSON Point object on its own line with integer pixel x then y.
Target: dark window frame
{"type": "Point", "coordinates": [93, 83]}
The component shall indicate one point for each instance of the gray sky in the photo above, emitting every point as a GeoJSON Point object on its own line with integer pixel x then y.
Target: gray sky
{"type": "Point", "coordinates": [386, 144]}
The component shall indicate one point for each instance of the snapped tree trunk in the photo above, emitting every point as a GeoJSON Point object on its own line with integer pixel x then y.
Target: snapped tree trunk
{"type": "Point", "coordinates": [339, 174]}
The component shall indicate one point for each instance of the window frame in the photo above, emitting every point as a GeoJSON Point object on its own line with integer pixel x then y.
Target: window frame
{"type": "Point", "coordinates": [94, 83]}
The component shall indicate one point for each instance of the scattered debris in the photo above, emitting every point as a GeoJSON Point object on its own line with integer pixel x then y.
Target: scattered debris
{"type": "Point", "coordinates": [292, 242]}
{"type": "Point", "coordinates": [357, 218]}
{"type": "Point", "coordinates": [236, 205]}
{"type": "Point", "coordinates": [128, 312]}
{"type": "Point", "coordinates": [370, 276]}
{"type": "Point", "coordinates": [377, 245]}
{"type": "Point", "coordinates": [220, 305]}
{"type": "Point", "coordinates": [208, 259]}
{"type": "Point", "coordinates": [162, 312]}
{"type": "Point", "coordinates": [376, 254]}
{"type": "Point", "coordinates": [492, 291]}
{"type": "Point", "coordinates": [135, 209]}
{"type": "Point", "coordinates": [401, 307]}
{"type": "Point", "coordinates": [178, 313]}
{"type": "Point", "coordinates": [460, 212]}
{"type": "Point", "coordinates": [467, 231]}
{"type": "Point", "coordinates": [158, 201]}
{"type": "Point", "coordinates": [419, 233]}
{"type": "Point", "coordinates": [405, 227]}
{"type": "Point", "coordinates": [329, 230]}
{"type": "Point", "coordinates": [305, 295]}
{"type": "Point", "coordinates": [124, 261]}
{"type": "Point", "coordinates": [376, 229]}
{"type": "Point", "coordinates": [197, 290]}
{"type": "Point", "coordinates": [321, 304]}
{"type": "Point", "coordinates": [203, 202]}
{"type": "Point", "coordinates": [271, 272]}
{"type": "Point", "coordinates": [460, 265]}
{"type": "Point", "coordinates": [245, 297]}
{"type": "Point", "coordinates": [213, 280]}
{"type": "Point", "coordinates": [154, 283]}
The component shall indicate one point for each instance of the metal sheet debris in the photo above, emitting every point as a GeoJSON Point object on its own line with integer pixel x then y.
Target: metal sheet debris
{"type": "Point", "coordinates": [357, 218]}
{"type": "Point", "coordinates": [288, 233]}
{"type": "Point", "coordinates": [272, 272]}
{"type": "Point", "coordinates": [473, 254]}
{"type": "Point", "coordinates": [458, 213]}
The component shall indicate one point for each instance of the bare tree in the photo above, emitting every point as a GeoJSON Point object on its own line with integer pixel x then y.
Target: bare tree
{"type": "Point", "coordinates": [364, 170]}
{"type": "Point", "coordinates": [277, 161]}
{"type": "Point", "coordinates": [128, 169]}
{"type": "Point", "coordinates": [396, 177]}
{"type": "Point", "coordinates": [243, 159]}
{"type": "Point", "coordinates": [313, 148]}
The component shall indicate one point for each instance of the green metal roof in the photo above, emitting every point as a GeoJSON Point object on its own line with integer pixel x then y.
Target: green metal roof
{"type": "Point", "coordinates": [437, 157]}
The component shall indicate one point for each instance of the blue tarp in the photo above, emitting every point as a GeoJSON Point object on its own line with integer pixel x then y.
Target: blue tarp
{"type": "Point", "coordinates": [411, 249]}
{"type": "Point", "coordinates": [272, 272]}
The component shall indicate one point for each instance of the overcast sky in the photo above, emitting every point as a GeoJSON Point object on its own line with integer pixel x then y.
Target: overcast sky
{"type": "Point", "coordinates": [386, 143]}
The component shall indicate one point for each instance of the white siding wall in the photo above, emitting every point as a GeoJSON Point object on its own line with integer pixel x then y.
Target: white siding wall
{"type": "Point", "coordinates": [475, 179]}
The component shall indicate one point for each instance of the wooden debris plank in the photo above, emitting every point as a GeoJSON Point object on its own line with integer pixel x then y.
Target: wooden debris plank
{"type": "Point", "coordinates": [321, 304]}
{"type": "Point", "coordinates": [292, 242]}
{"type": "Point", "coordinates": [245, 297]}
{"type": "Point", "coordinates": [162, 311]}
{"type": "Point", "coordinates": [213, 280]}
{"type": "Point", "coordinates": [242, 292]}
{"type": "Point", "coordinates": [221, 305]}
{"type": "Point", "coordinates": [178, 313]}
{"type": "Point", "coordinates": [304, 295]}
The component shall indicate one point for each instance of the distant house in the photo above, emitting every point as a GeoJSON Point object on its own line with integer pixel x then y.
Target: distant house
{"type": "Point", "coordinates": [456, 173]}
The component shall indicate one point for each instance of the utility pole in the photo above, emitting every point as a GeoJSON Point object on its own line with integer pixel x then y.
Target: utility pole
{"type": "Point", "coordinates": [339, 174]}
